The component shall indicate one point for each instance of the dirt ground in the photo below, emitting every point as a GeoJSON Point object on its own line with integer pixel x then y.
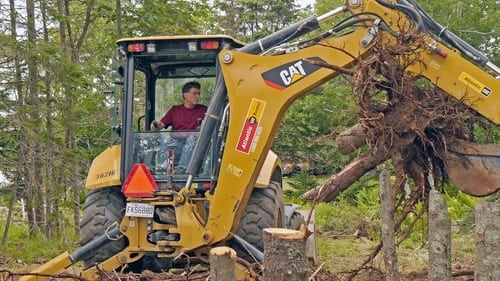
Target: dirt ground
{"type": "Point", "coordinates": [376, 275]}
{"type": "Point", "coordinates": [460, 273]}
{"type": "Point", "coordinates": [315, 274]}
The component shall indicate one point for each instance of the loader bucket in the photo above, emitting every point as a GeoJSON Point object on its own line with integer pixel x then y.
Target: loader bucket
{"type": "Point", "coordinates": [474, 168]}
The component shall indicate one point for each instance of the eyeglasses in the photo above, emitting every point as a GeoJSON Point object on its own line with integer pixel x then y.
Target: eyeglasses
{"type": "Point", "coordinates": [197, 93]}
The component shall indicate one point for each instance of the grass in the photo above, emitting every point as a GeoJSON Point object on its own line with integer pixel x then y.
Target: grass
{"type": "Point", "coordinates": [345, 254]}
{"type": "Point", "coordinates": [23, 249]}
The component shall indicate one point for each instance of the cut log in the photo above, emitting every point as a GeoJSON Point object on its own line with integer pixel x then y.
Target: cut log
{"type": "Point", "coordinates": [222, 264]}
{"type": "Point", "coordinates": [284, 255]}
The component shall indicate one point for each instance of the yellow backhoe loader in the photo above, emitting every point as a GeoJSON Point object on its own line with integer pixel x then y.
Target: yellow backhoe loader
{"type": "Point", "coordinates": [142, 213]}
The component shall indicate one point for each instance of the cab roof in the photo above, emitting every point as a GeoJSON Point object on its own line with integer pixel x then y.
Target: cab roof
{"type": "Point", "coordinates": [180, 56]}
{"type": "Point", "coordinates": [236, 42]}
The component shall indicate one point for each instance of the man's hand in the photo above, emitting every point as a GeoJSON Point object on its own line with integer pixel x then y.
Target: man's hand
{"type": "Point", "coordinates": [156, 125]}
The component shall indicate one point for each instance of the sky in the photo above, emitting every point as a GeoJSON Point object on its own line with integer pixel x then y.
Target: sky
{"type": "Point", "coordinates": [304, 3]}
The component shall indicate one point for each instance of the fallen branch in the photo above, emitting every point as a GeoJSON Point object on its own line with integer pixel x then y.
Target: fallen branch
{"type": "Point", "coordinates": [345, 178]}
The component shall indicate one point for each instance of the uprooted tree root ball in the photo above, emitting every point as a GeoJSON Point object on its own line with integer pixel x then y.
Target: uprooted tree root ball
{"type": "Point", "coordinates": [413, 121]}
{"type": "Point", "coordinates": [403, 118]}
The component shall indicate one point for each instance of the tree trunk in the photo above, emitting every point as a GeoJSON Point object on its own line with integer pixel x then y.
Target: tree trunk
{"type": "Point", "coordinates": [284, 255]}
{"type": "Point", "coordinates": [439, 238]}
{"type": "Point", "coordinates": [18, 84]}
{"type": "Point", "coordinates": [118, 8]}
{"type": "Point", "coordinates": [32, 158]}
{"type": "Point", "coordinates": [487, 260]}
{"type": "Point", "coordinates": [222, 264]}
{"type": "Point", "coordinates": [49, 147]}
{"type": "Point", "coordinates": [13, 197]}
{"type": "Point", "coordinates": [351, 139]}
{"type": "Point", "coordinates": [71, 44]}
{"type": "Point", "coordinates": [345, 178]}
{"type": "Point", "coordinates": [388, 235]}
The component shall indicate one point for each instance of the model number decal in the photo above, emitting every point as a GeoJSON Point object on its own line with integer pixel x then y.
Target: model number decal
{"type": "Point", "coordinates": [287, 74]}
{"type": "Point", "coordinates": [105, 174]}
{"type": "Point", "coordinates": [250, 131]}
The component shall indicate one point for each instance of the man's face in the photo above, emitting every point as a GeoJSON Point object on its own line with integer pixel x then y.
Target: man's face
{"type": "Point", "coordinates": [192, 96]}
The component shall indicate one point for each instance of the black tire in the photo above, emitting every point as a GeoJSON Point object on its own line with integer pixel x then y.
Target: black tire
{"type": "Point", "coordinates": [296, 221]}
{"type": "Point", "coordinates": [265, 209]}
{"type": "Point", "coordinates": [102, 208]}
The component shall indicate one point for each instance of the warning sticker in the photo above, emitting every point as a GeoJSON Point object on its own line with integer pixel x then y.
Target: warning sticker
{"type": "Point", "coordinates": [474, 84]}
{"type": "Point", "coordinates": [251, 125]}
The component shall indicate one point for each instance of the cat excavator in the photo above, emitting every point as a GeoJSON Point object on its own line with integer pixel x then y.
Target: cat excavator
{"type": "Point", "coordinates": [141, 212]}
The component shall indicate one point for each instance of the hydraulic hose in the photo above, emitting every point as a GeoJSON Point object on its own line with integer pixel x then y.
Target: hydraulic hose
{"type": "Point", "coordinates": [451, 38]}
{"type": "Point", "coordinates": [289, 33]}
{"type": "Point", "coordinates": [407, 10]}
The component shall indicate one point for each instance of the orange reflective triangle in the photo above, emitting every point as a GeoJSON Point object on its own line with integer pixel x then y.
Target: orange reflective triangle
{"type": "Point", "coordinates": [139, 182]}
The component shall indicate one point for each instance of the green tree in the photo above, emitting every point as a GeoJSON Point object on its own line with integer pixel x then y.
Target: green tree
{"type": "Point", "coordinates": [253, 19]}
{"type": "Point", "coordinates": [54, 117]}
{"type": "Point", "coordinates": [307, 133]}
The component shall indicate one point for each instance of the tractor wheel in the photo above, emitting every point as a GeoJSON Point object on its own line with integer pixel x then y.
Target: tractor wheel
{"type": "Point", "coordinates": [265, 209]}
{"type": "Point", "coordinates": [102, 208]}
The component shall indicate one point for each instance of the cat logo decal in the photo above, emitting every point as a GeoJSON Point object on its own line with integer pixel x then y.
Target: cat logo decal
{"type": "Point", "coordinates": [285, 75]}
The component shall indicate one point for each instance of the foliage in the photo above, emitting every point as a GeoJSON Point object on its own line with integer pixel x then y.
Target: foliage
{"type": "Point", "coordinates": [300, 183]}
{"type": "Point", "coordinates": [148, 19]}
{"type": "Point", "coordinates": [476, 22]}
{"type": "Point", "coordinates": [253, 19]}
{"type": "Point", "coordinates": [342, 254]}
{"type": "Point", "coordinates": [461, 209]}
{"type": "Point", "coordinates": [23, 246]}
{"type": "Point", "coordinates": [310, 125]}
{"type": "Point", "coordinates": [360, 206]}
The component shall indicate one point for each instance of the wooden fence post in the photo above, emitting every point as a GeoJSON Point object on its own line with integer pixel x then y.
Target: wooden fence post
{"type": "Point", "coordinates": [284, 255]}
{"type": "Point", "coordinates": [487, 260]}
{"type": "Point", "coordinates": [439, 238]}
{"type": "Point", "coordinates": [388, 236]}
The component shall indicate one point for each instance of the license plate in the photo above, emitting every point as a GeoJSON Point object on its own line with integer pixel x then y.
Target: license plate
{"type": "Point", "coordinates": [141, 210]}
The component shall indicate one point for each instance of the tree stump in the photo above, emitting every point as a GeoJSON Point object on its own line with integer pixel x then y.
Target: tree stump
{"type": "Point", "coordinates": [439, 238]}
{"type": "Point", "coordinates": [284, 255]}
{"type": "Point", "coordinates": [388, 235]}
{"type": "Point", "coordinates": [222, 264]}
{"type": "Point", "coordinates": [487, 260]}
